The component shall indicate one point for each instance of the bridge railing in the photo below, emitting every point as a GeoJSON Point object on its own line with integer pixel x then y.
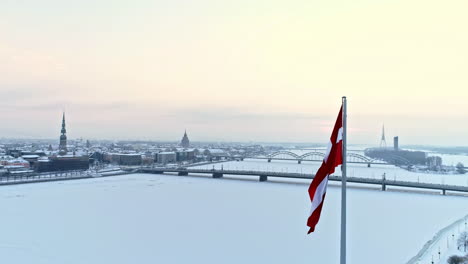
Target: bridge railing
{"type": "Point", "coordinates": [31, 177]}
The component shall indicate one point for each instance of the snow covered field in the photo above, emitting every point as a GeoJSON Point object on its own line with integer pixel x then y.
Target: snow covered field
{"type": "Point", "coordinates": [354, 170]}
{"type": "Point", "coordinates": [143, 218]}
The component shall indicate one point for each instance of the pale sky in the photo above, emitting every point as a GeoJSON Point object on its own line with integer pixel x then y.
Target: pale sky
{"type": "Point", "coordinates": [235, 70]}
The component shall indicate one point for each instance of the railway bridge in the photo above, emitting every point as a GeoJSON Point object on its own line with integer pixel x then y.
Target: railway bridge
{"type": "Point", "coordinates": [317, 156]}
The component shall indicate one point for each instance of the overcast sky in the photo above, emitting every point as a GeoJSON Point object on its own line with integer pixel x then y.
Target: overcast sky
{"type": "Point", "coordinates": [235, 70]}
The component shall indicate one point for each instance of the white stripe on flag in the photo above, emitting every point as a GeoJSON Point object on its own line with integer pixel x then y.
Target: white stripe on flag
{"type": "Point", "coordinates": [340, 135]}
{"type": "Point", "coordinates": [318, 196]}
{"type": "Point", "coordinates": [329, 146]}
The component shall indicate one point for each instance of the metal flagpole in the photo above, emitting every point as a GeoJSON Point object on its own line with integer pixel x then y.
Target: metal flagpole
{"type": "Point", "coordinates": [343, 189]}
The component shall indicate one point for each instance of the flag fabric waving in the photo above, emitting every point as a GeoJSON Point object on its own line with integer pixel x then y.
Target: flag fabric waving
{"type": "Point", "coordinates": [332, 159]}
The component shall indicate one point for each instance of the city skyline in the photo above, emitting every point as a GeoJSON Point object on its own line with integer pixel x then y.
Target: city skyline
{"type": "Point", "coordinates": [175, 137]}
{"type": "Point", "coordinates": [242, 71]}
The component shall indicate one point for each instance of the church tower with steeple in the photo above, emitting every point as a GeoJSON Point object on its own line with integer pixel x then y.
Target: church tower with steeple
{"type": "Point", "coordinates": [63, 137]}
{"type": "Point", "coordinates": [185, 142]}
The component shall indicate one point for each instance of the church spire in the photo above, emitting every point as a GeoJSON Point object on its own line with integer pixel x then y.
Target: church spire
{"type": "Point", "coordinates": [185, 142]}
{"type": "Point", "coordinates": [64, 131]}
{"type": "Point", "coordinates": [63, 137]}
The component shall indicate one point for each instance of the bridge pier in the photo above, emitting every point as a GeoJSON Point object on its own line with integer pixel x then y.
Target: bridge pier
{"type": "Point", "coordinates": [263, 178]}
{"type": "Point", "coordinates": [443, 192]}
{"type": "Point", "coordinates": [182, 173]}
{"type": "Point", "coordinates": [269, 160]}
{"type": "Point", "coordinates": [384, 187]}
{"type": "Point", "coordinates": [299, 161]}
{"type": "Point", "coordinates": [217, 175]}
{"type": "Point", "coordinates": [368, 165]}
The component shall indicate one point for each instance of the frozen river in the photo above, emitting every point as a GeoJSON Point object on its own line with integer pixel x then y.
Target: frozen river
{"type": "Point", "coordinates": [141, 218]}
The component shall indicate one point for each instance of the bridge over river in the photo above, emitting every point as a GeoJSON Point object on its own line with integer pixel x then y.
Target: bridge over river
{"type": "Point", "coordinates": [263, 176]}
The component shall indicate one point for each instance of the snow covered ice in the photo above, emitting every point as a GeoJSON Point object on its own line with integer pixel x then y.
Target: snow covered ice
{"type": "Point", "coordinates": [142, 218]}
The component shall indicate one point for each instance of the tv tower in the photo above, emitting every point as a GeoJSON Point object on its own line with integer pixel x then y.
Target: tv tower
{"type": "Point", "coordinates": [383, 142]}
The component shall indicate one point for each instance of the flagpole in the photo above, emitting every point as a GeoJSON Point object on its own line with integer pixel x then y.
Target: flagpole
{"type": "Point", "coordinates": [343, 189]}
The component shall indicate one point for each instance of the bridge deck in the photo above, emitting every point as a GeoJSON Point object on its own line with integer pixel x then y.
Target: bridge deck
{"type": "Point", "coordinates": [219, 173]}
{"type": "Point", "coordinates": [382, 182]}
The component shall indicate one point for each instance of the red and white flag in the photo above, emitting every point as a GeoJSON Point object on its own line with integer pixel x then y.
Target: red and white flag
{"type": "Point", "coordinates": [333, 158]}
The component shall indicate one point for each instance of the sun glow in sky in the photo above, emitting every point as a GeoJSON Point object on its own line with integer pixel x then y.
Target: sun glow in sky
{"type": "Point", "coordinates": [235, 70]}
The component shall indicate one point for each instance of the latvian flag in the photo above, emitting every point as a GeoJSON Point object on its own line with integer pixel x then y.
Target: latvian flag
{"type": "Point", "coordinates": [332, 159]}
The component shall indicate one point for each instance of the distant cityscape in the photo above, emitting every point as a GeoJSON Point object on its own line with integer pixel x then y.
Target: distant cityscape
{"type": "Point", "coordinates": [18, 158]}
{"type": "Point", "coordinates": [25, 157]}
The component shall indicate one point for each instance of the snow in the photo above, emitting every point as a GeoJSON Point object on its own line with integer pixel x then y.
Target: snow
{"type": "Point", "coordinates": [452, 251]}
{"type": "Point", "coordinates": [442, 245]}
{"type": "Point", "coordinates": [448, 245]}
{"type": "Point", "coordinates": [144, 218]}
{"type": "Point", "coordinates": [451, 159]}
{"type": "Point", "coordinates": [30, 156]}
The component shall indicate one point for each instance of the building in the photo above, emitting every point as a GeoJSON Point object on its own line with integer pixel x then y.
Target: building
{"type": "Point", "coordinates": [166, 157]}
{"type": "Point", "coordinates": [5, 158]}
{"type": "Point", "coordinates": [185, 155]}
{"type": "Point", "coordinates": [129, 159]}
{"type": "Point", "coordinates": [17, 162]}
{"type": "Point", "coordinates": [434, 162]}
{"type": "Point", "coordinates": [16, 153]}
{"type": "Point", "coordinates": [63, 138]}
{"type": "Point", "coordinates": [17, 170]}
{"type": "Point", "coordinates": [62, 163]}
{"type": "Point", "coordinates": [399, 157]}
{"type": "Point", "coordinates": [185, 142]}
{"type": "Point", "coordinates": [96, 157]}
{"type": "Point", "coordinates": [216, 154]}
{"type": "Point", "coordinates": [3, 171]}
{"type": "Point", "coordinates": [32, 159]}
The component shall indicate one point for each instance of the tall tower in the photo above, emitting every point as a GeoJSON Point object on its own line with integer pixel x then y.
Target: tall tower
{"type": "Point", "coordinates": [63, 137]}
{"type": "Point", "coordinates": [395, 143]}
{"type": "Point", "coordinates": [383, 143]}
{"type": "Point", "coordinates": [185, 142]}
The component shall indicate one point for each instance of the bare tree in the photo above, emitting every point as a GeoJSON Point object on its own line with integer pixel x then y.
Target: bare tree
{"type": "Point", "coordinates": [460, 168]}
{"type": "Point", "coordinates": [462, 241]}
{"type": "Point", "coordinates": [456, 260]}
